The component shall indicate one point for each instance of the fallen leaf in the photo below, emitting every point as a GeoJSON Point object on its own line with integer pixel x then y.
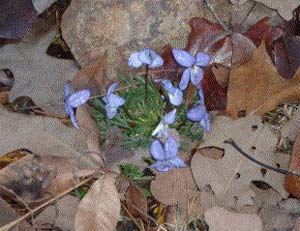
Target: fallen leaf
{"type": "Point", "coordinates": [62, 214]}
{"type": "Point", "coordinates": [291, 205]}
{"type": "Point", "coordinates": [230, 177]}
{"type": "Point", "coordinates": [136, 202]}
{"type": "Point", "coordinates": [16, 18]}
{"type": "Point", "coordinates": [36, 74]}
{"type": "Point", "coordinates": [257, 86]}
{"type": "Point", "coordinates": [219, 219]}
{"type": "Point", "coordinates": [44, 136]}
{"type": "Point", "coordinates": [42, 5]}
{"type": "Point", "coordinates": [100, 207]}
{"type": "Point", "coordinates": [292, 183]}
{"type": "Point", "coordinates": [285, 9]}
{"type": "Point", "coordinates": [173, 187]}
{"type": "Point", "coordinates": [7, 214]}
{"type": "Point", "coordinates": [91, 77]}
{"type": "Point", "coordinates": [276, 218]}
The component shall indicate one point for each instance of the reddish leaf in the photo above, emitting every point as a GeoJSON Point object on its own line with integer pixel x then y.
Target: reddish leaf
{"type": "Point", "coordinates": [258, 31]}
{"type": "Point", "coordinates": [16, 18]}
{"type": "Point", "coordinates": [136, 202]}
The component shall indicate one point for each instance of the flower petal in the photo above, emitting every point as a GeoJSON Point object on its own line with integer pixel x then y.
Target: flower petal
{"type": "Point", "coordinates": [161, 130]}
{"type": "Point", "coordinates": [112, 87]}
{"type": "Point", "coordinates": [196, 114]}
{"type": "Point", "coordinates": [168, 86]}
{"type": "Point", "coordinates": [73, 117]}
{"type": "Point", "coordinates": [67, 90]}
{"type": "Point", "coordinates": [184, 58]}
{"type": "Point", "coordinates": [177, 162]}
{"type": "Point", "coordinates": [185, 79]}
{"type": "Point", "coordinates": [115, 100]}
{"type": "Point", "coordinates": [110, 111]}
{"type": "Point", "coordinates": [205, 123]}
{"type": "Point", "coordinates": [145, 56]}
{"type": "Point", "coordinates": [170, 117]}
{"type": "Point", "coordinates": [78, 98]}
{"type": "Point", "coordinates": [201, 95]}
{"type": "Point", "coordinates": [171, 148]}
{"type": "Point", "coordinates": [162, 166]}
{"type": "Point", "coordinates": [157, 150]}
{"type": "Point", "coordinates": [196, 75]}
{"type": "Point", "coordinates": [177, 98]}
{"type": "Point", "coordinates": [157, 61]}
{"type": "Point", "coordinates": [202, 59]}
{"type": "Point", "coordinates": [134, 61]}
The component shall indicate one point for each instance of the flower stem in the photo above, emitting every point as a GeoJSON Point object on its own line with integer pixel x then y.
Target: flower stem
{"type": "Point", "coordinates": [146, 83]}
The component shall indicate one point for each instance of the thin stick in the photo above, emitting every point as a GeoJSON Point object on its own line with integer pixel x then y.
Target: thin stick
{"type": "Point", "coordinates": [220, 21]}
{"type": "Point", "coordinates": [20, 200]}
{"type": "Point", "coordinates": [279, 170]}
{"type": "Point", "coordinates": [15, 222]}
{"type": "Point", "coordinates": [130, 215]}
{"type": "Point", "coordinates": [146, 84]}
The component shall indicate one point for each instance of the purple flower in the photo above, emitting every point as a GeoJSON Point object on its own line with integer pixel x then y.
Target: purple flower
{"type": "Point", "coordinates": [112, 101]}
{"type": "Point", "coordinates": [146, 57]}
{"type": "Point", "coordinates": [161, 131]}
{"type": "Point", "coordinates": [200, 115]}
{"type": "Point", "coordinates": [175, 95]}
{"type": "Point", "coordinates": [193, 66]}
{"type": "Point", "coordinates": [166, 156]}
{"type": "Point", "coordinates": [73, 101]}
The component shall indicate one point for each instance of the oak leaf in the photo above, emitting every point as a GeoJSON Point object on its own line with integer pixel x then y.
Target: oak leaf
{"type": "Point", "coordinates": [257, 86]}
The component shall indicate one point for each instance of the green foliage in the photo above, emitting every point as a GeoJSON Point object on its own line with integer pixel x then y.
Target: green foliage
{"type": "Point", "coordinates": [138, 119]}
{"type": "Point", "coordinates": [131, 171]}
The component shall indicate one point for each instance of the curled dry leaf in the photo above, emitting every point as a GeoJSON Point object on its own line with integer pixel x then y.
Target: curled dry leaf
{"type": "Point", "coordinates": [100, 207]}
{"type": "Point", "coordinates": [136, 202]}
{"type": "Point", "coordinates": [257, 86]}
{"type": "Point", "coordinates": [230, 177]}
{"type": "Point", "coordinates": [219, 219]}
{"type": "Point", "coordinates": [292, 183]}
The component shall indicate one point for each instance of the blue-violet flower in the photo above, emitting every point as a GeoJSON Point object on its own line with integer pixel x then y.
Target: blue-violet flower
{"type": "Point", "coordinates": [146, 57]}
{"type": "Point", "coordinates": [161, 131]}
{"type": "Point", "coordinates": [200, 115]}
{"type": "Point", "coordinates": [166, 156]}
{"type": "Point", "coordinates": [73, 101]}
{"type": "Point", "coordinates": [193, 65]}
{"type": "Point", "coordinates": [175, 94]}
{"type": "Point", "coordinates": [112, 101]}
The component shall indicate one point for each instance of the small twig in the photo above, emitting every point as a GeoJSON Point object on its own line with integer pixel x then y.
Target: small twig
{"type": "Point", "coordinates": [279, 170]}
{"type": "Point", "coordinates": [20, 200]}
{"type": "Point", "coordinates": [220, 21]}
{"type": "Point", "coordinates": [132, 217]}
{"type": "Point", "coordinates": [146, 84]}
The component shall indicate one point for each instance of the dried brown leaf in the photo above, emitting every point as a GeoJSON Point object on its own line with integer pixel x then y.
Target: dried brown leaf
{"type": "Point", "coordinates": [38, 75]}
{"type": "Point", "coordinates": [257, 86]}
{"type": "Point", "coordinates": [219, 219]}
{"type": "Point", "coordinates": [136, 202]}
{"type": "Point", "coordinates": [230, 177]}
{"type": "Point", "coordinates": [100, 207]}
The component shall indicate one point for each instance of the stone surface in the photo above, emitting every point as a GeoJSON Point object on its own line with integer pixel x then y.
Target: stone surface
{"type": "Point", "coordinates": [120, 27]}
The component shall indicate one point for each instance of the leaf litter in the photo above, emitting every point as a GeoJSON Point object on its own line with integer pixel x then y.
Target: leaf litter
{"type": "Point", "coordinates": [254, 68]}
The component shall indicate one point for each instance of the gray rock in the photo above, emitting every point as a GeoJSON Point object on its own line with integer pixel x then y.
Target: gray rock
{"type": "Point", "coordinates": [120, 27]}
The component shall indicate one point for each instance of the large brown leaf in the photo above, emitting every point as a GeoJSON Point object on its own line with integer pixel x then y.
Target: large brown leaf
{"type": "Point", "coordinates": [44, 136]}
{"type": "Point", "coordinates": [230, 177]}
{"type": "Point", "coordinates": [100, 207]}
{"type": "Point", "coordinates": [36, 74]}
{"type": "Point", "coordinates": [257, 86]}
